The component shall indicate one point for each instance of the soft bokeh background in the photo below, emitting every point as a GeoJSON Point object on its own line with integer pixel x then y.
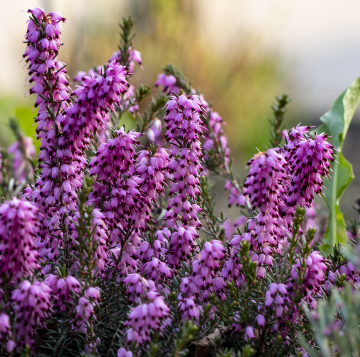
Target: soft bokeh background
{"type": "Point", "coordinates": [239, 53]}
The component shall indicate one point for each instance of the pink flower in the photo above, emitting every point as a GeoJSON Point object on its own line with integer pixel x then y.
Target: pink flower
{"type": "Point", "coordinates": [32, 305]}
{"type": "Point", "coordinates": [249, 333]}
{"type": "Point", "coordinates": [260, 319]}
{"type": "Point", "coordinates": [18, 228]}
{"type": "Point", "coordinates": [146, 317]}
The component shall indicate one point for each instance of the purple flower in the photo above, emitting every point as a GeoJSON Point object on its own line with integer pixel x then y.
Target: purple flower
{"type": "Point", "coordinates": [84, 309]}
{"type": "Point", "coordinates": [18, 255]}
{"type": "Point", "coordinates": [5, 328]}
{"type": "Point", "coordinates": [235, 196]}
{"type": "Point", "coordinates": [309, 161]}
{"type": "Point", "coordinates": [62, 289]}
{"type": "Point", "coordinates": [215, 134]}
{"type": "Point", "coordinates": [168, 82]}
{"type": "Point", "coordinates": [314, 277]}
{"type": "Point", "coordinates": [122, 352]}
{"type": "Point", "coordinates": [189, 309]}
{"type": "Point", "coordinates": [136, 286]}
{"type": "Point", "coordinates": [32, 305]}
{"type": "Point", "coordinates": [260, 319]}
{"type": "Point", "coordinates": [183, 130]}
{"type": "Point", "coordinates": [22, 151]}
{"type": "Point", "coordinates": [146, 317]}
{"type": "Point", "coordinates": [249, 333]}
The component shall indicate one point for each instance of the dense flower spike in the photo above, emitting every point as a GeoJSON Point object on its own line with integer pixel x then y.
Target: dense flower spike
{"type": "Point", "coordinates": [118, 185]}
{"type": "Point", "coordinates": [128, 100]}
{"type": "Point", "coordinates": [127, 186]}
{"type": "Point", "coordinates": [313, 279]}
{"type": "Point", "coordinates": [32, 305]}
{"type": "Point", "coordinates": [48, 74]}
{"type": "Point", "coordinates": [310, 160]}
{"type": "Point", "coordinates": [84, 309]}
{"type": "Point", "coordinates": [206, 266]}
{"type": "Point", "coordinates": [264, 182]}
{"type": "Point", "coordinates": [184, 129]}
{"type": "Point", "coordinates": [95, 100]}
{"type": "Point", "coordinates": [115, 158]}
{"type": "Point", "coordinates": [66, 129]}
{"type": "Point", "coordinates": [146, 317]}
{"type": "Point", "coordinates": [53, 95]}
{"type": "Point", "coordinates": [98, 239]}
{"type": "Point", "coordinates": [18, 227]}
{"type": "Point", "coordinates": [264, 186]}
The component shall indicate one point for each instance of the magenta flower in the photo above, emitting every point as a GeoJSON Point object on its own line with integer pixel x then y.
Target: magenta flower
{"type": "Point", "coordinates": [216, 134]}
{"type": "Point", "coordinates": [189, 309]}
{"type": "Point", "coordinates": [183, 130]}
{"type": "Point", "coordinates": [249, 333]}
{"type": "Point", "coordinates": [310, 161]}
{"type": "Point", "coordinates": [5, 328]}
{"type": "Point", "coordinates": [122, 352]}
{"type": "Point", "coordinates": [18, 228]}
{"type": "Point", "coordinates": [260, 319]}
{"type": "Point", "coordinates": [146, 317]}
{"type": "Point", "coordinates": [32, 305]}
{"type": "Point", "coordinates": [84, 309]}
{"type": "Point", "coordinates": [168, 82]}
{"type": "Point", "coordinates": [62, 289]}
{"type": "Point", "coordinates": [136, 286]}
{"type": "Point", "coordinates": [315, 270]}
{"type": "Point", "coordinates": [22, 151]}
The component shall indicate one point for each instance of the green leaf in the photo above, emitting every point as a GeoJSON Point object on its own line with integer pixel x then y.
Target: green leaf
{"type": "Point", "coordinates": [336, 123]}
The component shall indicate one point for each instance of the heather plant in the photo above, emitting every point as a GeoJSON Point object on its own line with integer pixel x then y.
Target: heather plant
{"type": "Point", "coordinates": [110, 244]}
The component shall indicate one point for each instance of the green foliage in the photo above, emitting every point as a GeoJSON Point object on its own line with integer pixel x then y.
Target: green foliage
{"type": "Point", "coordinates": [279, 109]}
{"type": "Point", "coordinates": [185, 335]}
{"type": "Point", "coordinates": [336, 326]}
{"type": "Point", "coordinates": [336, 123]}
{"type": "Point", "coordinates": [156, 107]}
{"type": "Point", "coordinates": [126, 38]}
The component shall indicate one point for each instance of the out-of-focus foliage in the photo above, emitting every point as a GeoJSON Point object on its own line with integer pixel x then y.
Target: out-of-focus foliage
{"type": "Point", "coordinates": [240, 83]}
{"type": "Point", "coordinates": [336, 326]}
{"type": "Point", "coordinates": [336, 123]}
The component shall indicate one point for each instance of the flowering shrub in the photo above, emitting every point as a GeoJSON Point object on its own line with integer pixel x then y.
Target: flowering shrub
{"type": "Point", "coordinates": [112, 247]}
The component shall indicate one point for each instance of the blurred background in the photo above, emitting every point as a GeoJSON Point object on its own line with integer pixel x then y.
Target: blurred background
{"type": "Point", "coordinates": [240, 54]}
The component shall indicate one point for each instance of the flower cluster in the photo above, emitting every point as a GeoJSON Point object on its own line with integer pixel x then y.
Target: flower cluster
{"type": "Point", "coordinates": [313, 278]}
{"type": "Point", "coordinates": [168, 82]}
{"type": "Point", "coordinates": [117, 246]}
{"type": "Point", "coordinates": [184, 128]}
{"type": "Point", "coordinates": [84, 310]}
{"type": "Point", "coordinates": [18, 227]}
{"type": "Point", "coordinates": [146, 317]}
{"type": "Point", "coordinates": [62, 289]}
{"type": "Point", "coordinates": [32, 304]}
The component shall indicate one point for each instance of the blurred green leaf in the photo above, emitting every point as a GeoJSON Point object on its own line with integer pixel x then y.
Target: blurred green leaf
{"type": "Point", "coordinates": [26, 117]}
{"type": "Point", "coordinates": [336, 123]}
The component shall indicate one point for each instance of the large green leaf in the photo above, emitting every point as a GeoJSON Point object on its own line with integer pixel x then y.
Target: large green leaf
{"type": "Point", "coordinates": [336, 123]}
